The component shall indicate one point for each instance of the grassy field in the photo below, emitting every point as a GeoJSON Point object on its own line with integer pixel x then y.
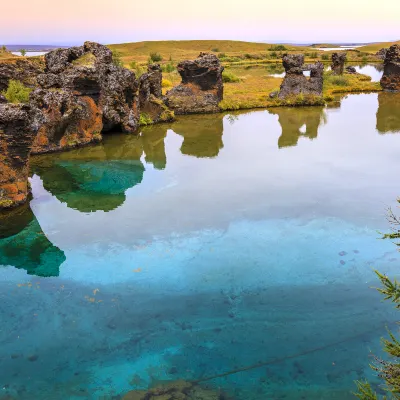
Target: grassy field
{"type": "Point", "coordinates": [373, 48]}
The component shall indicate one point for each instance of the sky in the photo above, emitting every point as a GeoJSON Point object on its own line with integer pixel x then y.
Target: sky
{"type": "Point", "coordinates": [119, 21]}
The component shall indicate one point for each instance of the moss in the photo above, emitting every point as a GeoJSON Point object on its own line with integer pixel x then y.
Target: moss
{"type": "Point", "coordinates": [6, 203]}
{"type": "Point", "coordinates": [17, 92]}
{"type": "Point", "coordinates": [145, 119]}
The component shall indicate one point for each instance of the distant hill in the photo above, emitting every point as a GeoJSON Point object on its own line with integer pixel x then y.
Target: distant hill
{"type": "Point", "coordinates": [374, 47]}
{"type": "Point", "coordinates": [184, 49]}
{"type": "Point", "coordinates": [32, 47]}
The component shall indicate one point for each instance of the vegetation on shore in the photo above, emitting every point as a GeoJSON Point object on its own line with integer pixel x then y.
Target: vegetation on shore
{"type": "Point", "coordinates": [17, 92]}
{"type": "Point", "coordinates": [375, 47]}
{"type": "Point", "coordinates": [388, 370]}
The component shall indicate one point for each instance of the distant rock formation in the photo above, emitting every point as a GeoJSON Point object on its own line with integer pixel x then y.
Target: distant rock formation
{"type": "Point", "coordinates": [351, 70]}
{"type": "Point", "coordinates": [201, 89]}
{"type": "Point", "coordinates": [295, 82]}
{"type": "Point", "coordinates": [391, 75]}
{"type": "Point", "coordinates": [381, 53]}
{"type": "Point", "coordinates": [151, 106]}
{"type": "Point", "coordinates": [19, 125]}
{"type": "Point", "coordinates": [338, 61]}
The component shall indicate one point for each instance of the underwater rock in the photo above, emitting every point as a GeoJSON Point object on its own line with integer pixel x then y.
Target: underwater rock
{"type": "Point", "coordinates": [25, 71]}
{"type": "Point", "coordinates": [70, 120]}
{"type": "Point", "coordinates": [338, 60]}
{"type": "Point", "coordinates": [391, 75]}
{"type": "Point", "coordinates": [295, 82]}
{"type": "Point", "coordinates": [201, 89]}
{"type": "Point", "coordinates": [179, 390]}
{"type": "Point", "coordinates": [19, 125]}
{"type": "Point", "coordinates": [152, 108]}
{"type": "Point", "coordinates": [23, 244]}
{"type": "Point", "coordinates": [388, 113]}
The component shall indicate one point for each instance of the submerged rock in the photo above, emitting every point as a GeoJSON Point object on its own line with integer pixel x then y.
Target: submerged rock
{"type": "Point", "coordinates": [295, 82]}
{"type": "Point", "coordinates": [201, 89]}
{"type": "Point", "coordinates": [152, 108]}
{"type": "Point", "coordinates": [179, 390]}
{"type": "Point", "coordinates": [70, 120]}
{"type": "Point", "coordinates": [19, 125]}
{"type": "Point", "coordinates": [391, 75]}
{"type": "Point", "coordinates": [338, 61]}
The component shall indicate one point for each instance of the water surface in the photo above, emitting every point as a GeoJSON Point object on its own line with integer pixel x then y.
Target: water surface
{"type": "Point", "coordinates": [240, 245]}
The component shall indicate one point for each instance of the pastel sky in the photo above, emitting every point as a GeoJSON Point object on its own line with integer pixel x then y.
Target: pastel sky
{"type": "Point", "coordinates": [116, 21]}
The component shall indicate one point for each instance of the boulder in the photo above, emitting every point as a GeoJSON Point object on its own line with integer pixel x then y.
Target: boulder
{"type": "Point", "coordinates": [19, 125]}
{"type": "Point", "coordinates": [201, 89]}
{"type": "Point", "coordinates": [351, 70]}
{"type": "Point", "coordinates": [391, 74]}
{"type": "Point", "coordinates": [3, 100]}
{"type": "Point", "coordinates": [152, 108]}
{"type": "Point", "coordinates": [295, 82]}
{"type": "Point", "coordinates": [69, 120]}
{"type": "Point", "coordinates": [338, 61]}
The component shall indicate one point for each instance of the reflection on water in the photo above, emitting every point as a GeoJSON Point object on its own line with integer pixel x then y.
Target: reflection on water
{"type": "Point", "coordinates": [295, 123]}
{"type": "Point", "coordinates": [222, 257]}
{"type": "Point", "coordinates": [388, 114]}
{"type": "Point", "coordinates": [375, 71]}
{"type": "Point", "coordinates": [24, 245]}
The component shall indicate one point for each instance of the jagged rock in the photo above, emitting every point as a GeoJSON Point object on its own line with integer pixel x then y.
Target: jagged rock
{"type": "Point", "coordinates": [152, 108]}
{"type": "Point", "coordinates": [391, 75]}
{"type": "Point", "coordinates": [18, 128]}
{"type": "Point", "coordinates": [22, 70]}
{"type": "Point", "coordinates": [338, 60]}
{"type": "Point", "coordinates": [113, 88]}
{"type": "Point", "coordinates": [351, 70]}
{"type": "Point", "coordinates": [70, 120]}
{"type": "Point", "coordinates": [381, 53]}
{"type": "Point", "coordinates": [201, 89]}
{"type": "Point", "coordinates": [295, 82]}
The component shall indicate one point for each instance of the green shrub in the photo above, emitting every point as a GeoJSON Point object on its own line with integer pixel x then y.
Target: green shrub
{"type": "Point", "coordinates": [221, 55]}
{"type": "Point", "coordinates": [116, 57]}
{"type": "Point", "coordinates": [215, 50]}
{"type": "Point", "coordinates": [278, 47]}
{"type": "Point", "coordinates": [325, 57]}
{"type": "Point", "coordinates": [155, 57]}
{"type": "Point", "coordinates": [314, 54]}
{"type": "Point", "coordinates": [274, 54]}
{"type": "Point", "coordinates": [17, 92]}
{"type": "Point", "coordinates": [229, 77]}
{"type": "Point", "coordinates": [248, 56]}
{"type": "Point", "coordinates": [145, 119]}
{"type": "Point", "coordinates": [137, 69]}
{"type": "Point", "coordinates": [168, 67]}
{"type": "Point", "coordinates": [339, 80]}
{"type": "Point", "coordinates": [23, 52]}
{"type": "Point", "coordinates": [166, 83]}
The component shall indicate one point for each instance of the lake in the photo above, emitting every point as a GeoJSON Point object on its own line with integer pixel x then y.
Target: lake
{"type": "Point", "coordinates": [233, 249]}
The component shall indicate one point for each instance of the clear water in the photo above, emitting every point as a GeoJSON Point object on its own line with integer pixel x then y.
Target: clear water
{"type": "Point", "coordinates": [237, 245]}
{"type": "Point", "coordinates": [30, 53]}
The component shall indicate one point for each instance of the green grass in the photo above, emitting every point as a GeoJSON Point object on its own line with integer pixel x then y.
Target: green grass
{"type": "Point", "coordinates": [230, 77]}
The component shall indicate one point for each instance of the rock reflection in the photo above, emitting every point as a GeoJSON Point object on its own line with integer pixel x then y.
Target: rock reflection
{"type": "Point", "coordinates": [202, 135]}
{"type": "Point", "coordinates": [93, 178]}
{"type": "Point", "coordinates": [23, 244]}
{"type": "Point", "coordinates": [297, 122]}
{"type": "Point", "coordinates": [388, 114]}
{"type": "Point", "coordinates": [154, 147]}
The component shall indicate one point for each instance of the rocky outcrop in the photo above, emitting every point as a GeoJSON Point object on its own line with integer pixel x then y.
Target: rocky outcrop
{"type": "Point", "coordinates": [70, 120]}
{"type": "Point", "coordinates": [113, 88]}
{"type": "Point", "coordinates": [201, 89]}
{"type": "Point", "coordinates": [381, 53]}
{"type": "Point", "coordinates": [152, 108]}
{"type": "Point", "coordinates": [391, 75]}
{"type": "Point", "coordinates": [25, 71]}
{"type": "Point", "coordinates": [19, 125]}
{"type": "Point", "coordinates": [295, 82]}
{"type": "Point", "coordinates": [338, 61]}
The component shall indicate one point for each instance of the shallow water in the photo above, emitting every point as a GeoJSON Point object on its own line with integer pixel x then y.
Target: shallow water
{"type": "Point", "coordinates": [238, 243]}
{"type": "Point", "coordinates": [31, 53]}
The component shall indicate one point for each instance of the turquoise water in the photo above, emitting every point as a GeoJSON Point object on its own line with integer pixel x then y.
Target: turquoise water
{"type": "Point", "coordinates": [237, 245]}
